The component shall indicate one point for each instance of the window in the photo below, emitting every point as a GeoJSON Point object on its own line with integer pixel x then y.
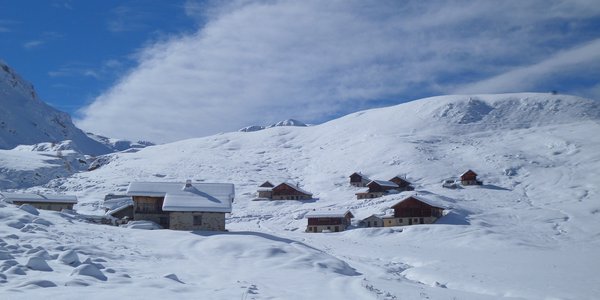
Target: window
{"type": "Point", "coordinates": [197, 220]}
{"type": "Point", "coordinates": [400, 220]}
{"type": "Point", "coordinates": [374, 223]}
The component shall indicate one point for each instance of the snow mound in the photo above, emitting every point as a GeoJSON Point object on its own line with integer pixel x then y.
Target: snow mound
{"type": "Point", "coordinates": [38, 284]}
{"type": "Point", "coordinates": [89, 270]}
{"type": "Point", "coordinates": [30, 209]}
{"type": "Point", "coordinates": [69, 257]}
{"type": "Point", "coordinates": [39, 264]}
{"type": "Point", "coordinates": [147, 225]}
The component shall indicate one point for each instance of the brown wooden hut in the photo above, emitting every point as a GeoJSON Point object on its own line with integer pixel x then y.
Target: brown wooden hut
{"type": "Point", "coordinates": [469, 178]}
{"type": "Point", "coordinates": [333, 221]}
{"type": "Point", "coordinates": [288, 191]}
{"type": "Point", "coordinates": [358, 179]}
{"type": "Point", "coordinates": [413, 210]}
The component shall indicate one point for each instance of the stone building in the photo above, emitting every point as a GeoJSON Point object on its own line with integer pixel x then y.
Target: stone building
{"type": "Point", "coordinates": [182, 206]}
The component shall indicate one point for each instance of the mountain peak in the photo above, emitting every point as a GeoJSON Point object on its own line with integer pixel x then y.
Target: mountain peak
{"type": "Point", "coordinates": [26, 120]}
{"type": "Point", "coordinates": [287, 122]}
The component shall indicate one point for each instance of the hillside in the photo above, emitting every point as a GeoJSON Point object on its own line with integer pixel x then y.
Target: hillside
{"type": "Point", "coordinates": [529, 232]}
{"type": "Point", "coordinates": [26, 120]}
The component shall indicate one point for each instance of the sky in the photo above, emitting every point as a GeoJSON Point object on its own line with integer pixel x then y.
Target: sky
{"type": "Point", "coordinates": [169, 70]}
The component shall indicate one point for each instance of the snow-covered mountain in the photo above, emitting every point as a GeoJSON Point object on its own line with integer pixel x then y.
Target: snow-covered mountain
{"type": "Point", "coordinates": [288, 122]}
{"type": "Point", "coordinates": [529, 232]}
{"type": "Point", "coordinates": [26, 120]}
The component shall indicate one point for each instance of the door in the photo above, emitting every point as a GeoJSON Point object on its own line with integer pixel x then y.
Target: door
{"type": "Point", "coordinates": [421, 221]}
{"type": "Point", "coordinates": [410, 221]}
{"type": "Point", "coordinates": [337, 228]}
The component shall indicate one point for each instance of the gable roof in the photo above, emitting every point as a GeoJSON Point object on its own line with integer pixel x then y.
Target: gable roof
{"type": "Point", "coordinates": [384, 183]}
{"type": "Point", "coordinates": [374, 216]}
{"type": "Point", "coordinates": [114, 203]}
{"type": "Point", "coordinates": [468, 171]}
{"type": "Point", "coordinates": [399, 177]}
{"type": "Point", "coordinates": [267, 184]}
{"type": "Point", "coordinates": [205, 197]}
{"type": "Point", "coordinates": [297, 188]}
{"type": "Point", "coordinates": [42, 198]}
{"type": "Point", "coordinates": [359, 174]}
{"type": "Point", "coordinates": [329, 214]}
{"type": "Point", "coordinates": [428, 202]}
{"type": "Point", "coordinates": [118, 209]}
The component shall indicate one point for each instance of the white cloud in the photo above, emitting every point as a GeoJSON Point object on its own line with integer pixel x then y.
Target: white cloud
{"type": "Point", "coordinates": [258, 62]}
{"type": "Point", "coordinates": [33, 44]}
{"type": "Point", "coordinates": [582, 58]}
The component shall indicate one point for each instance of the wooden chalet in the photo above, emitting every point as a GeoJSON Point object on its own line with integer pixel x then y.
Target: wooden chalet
{"type": "Point", "coordinates": [288, 191]}
{"type": "Point", "coordinates": [403, 184]}
{"type": "Point", "coordinates": [372, 221]}
{"type": "Point", "coordinates": [182, 206]}
{"type": "Point", "coordinates": [359, 180]}
{"type": "Point", "coordinates": [333, 221]}
{"type": "Point", "coordinates": [469, 178]}
{"type": "Point", "coordinates": [377, 188]}
{"type": "Point", "coordinates": [413, 210]}
{"type": "Point", "coordinates": [41, 201]}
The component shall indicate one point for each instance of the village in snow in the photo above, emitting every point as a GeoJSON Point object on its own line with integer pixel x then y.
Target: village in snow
{"type": "Point", "coordinates": [453, 197]}
{"type": "Point", "coordinates": [299, 150]}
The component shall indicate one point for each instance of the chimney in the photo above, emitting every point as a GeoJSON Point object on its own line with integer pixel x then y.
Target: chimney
{"type": "Point", "coordinates": [188, 183]}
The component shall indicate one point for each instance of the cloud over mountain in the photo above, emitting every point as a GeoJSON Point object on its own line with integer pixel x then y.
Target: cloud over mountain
{"type": "Point", "coordinates": [258, 62]}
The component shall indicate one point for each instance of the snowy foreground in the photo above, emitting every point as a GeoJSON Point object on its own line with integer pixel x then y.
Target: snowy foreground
{"type": "Point", "coordinates": [532, 231]}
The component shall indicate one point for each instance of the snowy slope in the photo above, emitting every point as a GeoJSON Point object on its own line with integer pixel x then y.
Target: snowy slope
{"type": "Point", "coordinates": [530, 232]}
{"type": "Point", "coordinates": [26, 120]}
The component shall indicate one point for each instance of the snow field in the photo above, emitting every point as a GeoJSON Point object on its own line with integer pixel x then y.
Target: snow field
{"type": "Point", "coordinates": [530, 232]}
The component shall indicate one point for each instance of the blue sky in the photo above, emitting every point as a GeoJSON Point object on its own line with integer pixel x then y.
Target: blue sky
{"type": "Point", "coordinates": [167, 70]}
{"type": "Point", "coordinates": [73, 50]}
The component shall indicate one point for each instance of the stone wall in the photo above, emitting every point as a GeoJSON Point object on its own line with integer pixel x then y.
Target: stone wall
{"type": "Point", "coordinates": [389, 222]}
{"type": "Point", "coordinates": [210, 221]}
{"type": "Point", "coordinates": [47, 206]}
{"type": "Point", "coordinates": [320, 228]}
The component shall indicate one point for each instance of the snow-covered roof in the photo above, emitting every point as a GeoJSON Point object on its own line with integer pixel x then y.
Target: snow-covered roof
{"type": "Point", "coordinates": [297, 188]}
{"type": "Point", "coordinates": [117, 202]}
{"type": "Point", "coordinates": [374, 216]}
{"type": "Point", "coordinates": [329, 214]}
{"type": "Point", "coordinates": [361, 191]}
{"type": "Point", "coordinates": [264, 189]}
{"type": "Point", "coordinates": [266, 184]}
{"type": "Point", "coordinates": [47, 198]}
{"type": "Point", "coordinates": [385, 183]}
{"type": "Point", "coordinates": [118, 209]}
{"type": "Point", "coordinates": [426, 201]}
{"type": "Point", "coordinates": [467, 171]}
{"type": "Point", "coordinates": [207, 197]}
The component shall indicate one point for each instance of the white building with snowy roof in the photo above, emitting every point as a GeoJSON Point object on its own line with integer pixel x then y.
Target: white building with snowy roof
{"type": "Point", "coordinates": [41, 201]}
{"type": "Point", "coordinates": [182, 206]}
